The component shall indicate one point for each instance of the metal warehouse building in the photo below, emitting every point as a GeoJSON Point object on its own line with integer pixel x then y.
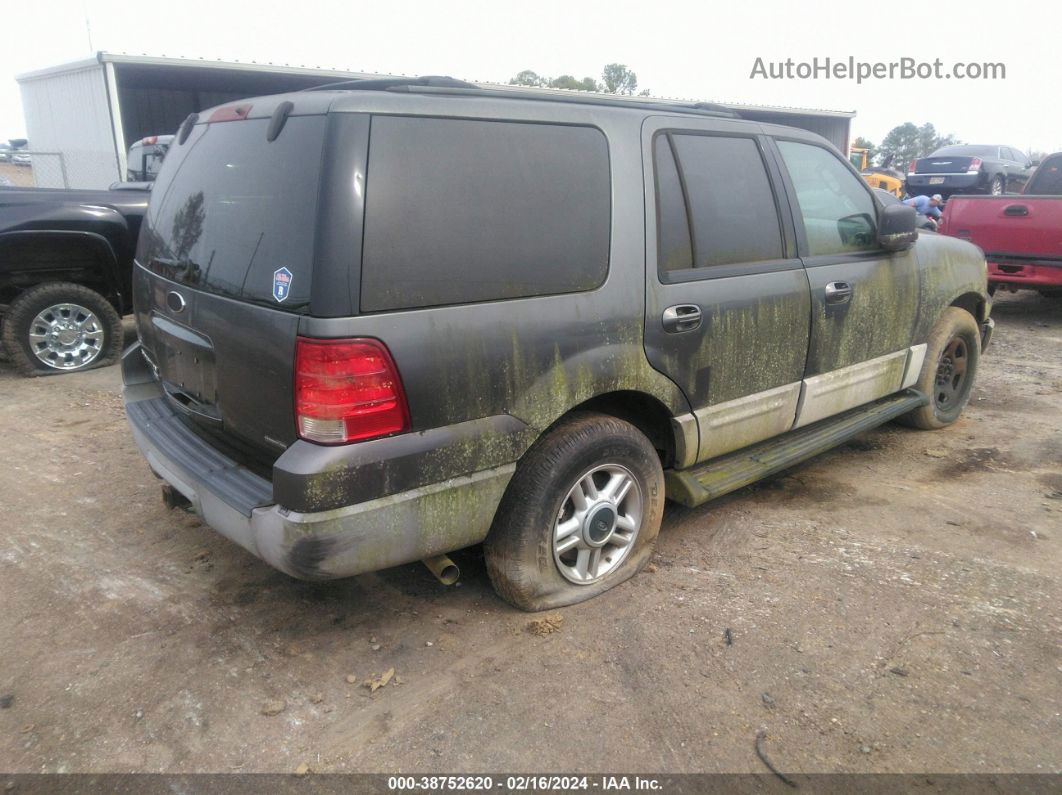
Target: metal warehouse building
{"type": "Point", "coordinates": [89, 112]}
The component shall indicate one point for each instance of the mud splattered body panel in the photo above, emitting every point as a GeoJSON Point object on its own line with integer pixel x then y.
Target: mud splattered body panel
{"type": "Point", "coordinates": [484, 377]}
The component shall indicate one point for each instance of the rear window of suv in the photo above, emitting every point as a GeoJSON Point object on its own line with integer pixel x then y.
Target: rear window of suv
{"type": "Point", "coordinates": [233, 214]}
{"type": "Point", "coordinates": [459, 211]}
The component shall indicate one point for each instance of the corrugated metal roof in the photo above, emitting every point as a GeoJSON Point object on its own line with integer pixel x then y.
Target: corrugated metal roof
{"type": "Point", "coordinates": [347, 74]}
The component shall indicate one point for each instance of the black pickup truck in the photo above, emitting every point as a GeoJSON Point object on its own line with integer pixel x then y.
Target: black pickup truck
{"type": "Point", "coordinates": [65, 268]}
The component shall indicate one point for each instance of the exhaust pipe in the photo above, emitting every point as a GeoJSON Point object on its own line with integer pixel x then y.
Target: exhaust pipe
{"type": "Point", "coordinates": [444, 569]}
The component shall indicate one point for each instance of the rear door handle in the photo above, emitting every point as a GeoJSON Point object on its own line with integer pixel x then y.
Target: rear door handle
{"type": "Point", "coordinates": [1016, 209]}
{"type": "Point", "coordinates": [838, 293]}
{"type": "Point", "coordinates": [681, 317]}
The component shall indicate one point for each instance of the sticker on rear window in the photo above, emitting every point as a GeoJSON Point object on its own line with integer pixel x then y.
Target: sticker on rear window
{"type": "Point", "coordinates": [281, 283]}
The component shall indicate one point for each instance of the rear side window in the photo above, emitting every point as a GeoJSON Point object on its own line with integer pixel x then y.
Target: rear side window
{"type": "Point", "coordinates": [714, 203]}
{"type": "Point", "coordinates": [837, 209]}
{"type": "Point", "coordinates": [460, 211]}
{"type": "Point", "coordinates": [1047, 181]}
{"type": "Point", "coordinates": [233, 214]}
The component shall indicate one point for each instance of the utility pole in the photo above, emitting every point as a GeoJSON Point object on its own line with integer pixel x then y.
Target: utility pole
{"type": "Point", "coordinates": [88, 26]}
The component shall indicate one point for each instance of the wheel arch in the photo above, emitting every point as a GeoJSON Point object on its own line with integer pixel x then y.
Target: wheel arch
{"type": "Point", "coordinates": [974, 303]}
{"type": "Point", "coordinates": [37, 256]}
{"type": "Point", "coordinates": [644, 411]}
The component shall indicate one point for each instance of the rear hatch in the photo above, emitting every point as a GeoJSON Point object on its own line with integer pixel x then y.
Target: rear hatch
{"type": "Point", "coordinates": [225, 261]}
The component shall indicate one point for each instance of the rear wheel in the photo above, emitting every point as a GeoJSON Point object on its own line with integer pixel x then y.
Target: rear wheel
{"type": "Point", "coordinates": [949, 370]}
{"type": "Point", "coordinates": [996, 186]}
{"type": "Point", "coordinates": [61, 328]}
{"type": "Point", "coordinates": [581, 514]}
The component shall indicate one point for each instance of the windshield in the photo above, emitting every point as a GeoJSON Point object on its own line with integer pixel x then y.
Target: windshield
{"type": "Point", "coordinates": [966, 150]}
{"type": "Point", "coordinates": [233, 214]}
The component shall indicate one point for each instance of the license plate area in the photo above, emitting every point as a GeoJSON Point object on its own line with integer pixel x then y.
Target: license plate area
{"type": "Point", "coordinates": [185, 361]}
{"type": "Point", "coordinates": [936, 180]}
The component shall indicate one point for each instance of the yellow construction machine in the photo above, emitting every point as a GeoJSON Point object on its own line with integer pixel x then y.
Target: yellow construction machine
{"type": "Point", "coordinates": [883, 177]}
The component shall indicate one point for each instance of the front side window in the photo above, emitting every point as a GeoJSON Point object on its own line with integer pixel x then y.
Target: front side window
{"type": "Point", "coordinates": [837, 210]}
{"type": "Point", "coordinates": [714, 203]}
{"type": "Point", "coordinates": [459, 211]}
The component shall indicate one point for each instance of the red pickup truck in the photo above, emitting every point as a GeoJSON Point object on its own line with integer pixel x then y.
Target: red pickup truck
{"type": "Point", "coordinates": [1021, 235]}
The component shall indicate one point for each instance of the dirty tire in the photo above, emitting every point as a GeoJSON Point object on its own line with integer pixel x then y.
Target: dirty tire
{"type": "Point", "coordinates": [956, 331]}
{"type": "Point", "coordinates": [23, 310]}
{"type": "Point", "coordinates": [519, 550]}
{"type": "Point", "coordinates": [996, 187]}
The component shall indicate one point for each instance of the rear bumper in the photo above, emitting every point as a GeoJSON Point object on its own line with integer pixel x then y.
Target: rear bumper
{"type": "Point", "coordinates": [1032, 275]}
{"type": "Point", "coordinates": [919, 184]}
{"type": "Point", "coordinates": [368, 536]}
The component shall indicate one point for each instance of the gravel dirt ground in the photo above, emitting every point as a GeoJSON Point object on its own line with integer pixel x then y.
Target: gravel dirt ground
{"type": "Point", "coordinates": [893, 605]}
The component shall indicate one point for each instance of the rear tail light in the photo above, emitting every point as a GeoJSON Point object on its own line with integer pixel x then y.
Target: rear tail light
{"type": "Point", "coordinates": [912, 167]}
{"type": "Point", "coordinates": [975, 164]}
{"type": "Point", "coordinates": [347, 391]}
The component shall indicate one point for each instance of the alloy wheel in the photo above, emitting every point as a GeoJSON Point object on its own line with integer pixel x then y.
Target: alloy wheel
{"type": "Point", "coordinates": [597, 524]}
{"type": "Point", "coordinates": [66, 336]}
{"type": "Point", "coordinates": [951, 373]}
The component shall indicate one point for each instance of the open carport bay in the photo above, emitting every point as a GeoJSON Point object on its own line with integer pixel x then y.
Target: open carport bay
{"type": "Point", "coordinates": [893, 605]}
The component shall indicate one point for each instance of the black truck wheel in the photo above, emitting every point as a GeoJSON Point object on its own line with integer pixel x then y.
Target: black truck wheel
{"type": "Point", "coordinates": [949, 370]}
{"type": "Point", "coordinates": [61, 328]}
{"type": "Point", "coordinates": [581, 514]}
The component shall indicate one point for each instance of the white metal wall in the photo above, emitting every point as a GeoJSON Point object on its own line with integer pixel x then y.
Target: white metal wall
{"type": "Point", "coordinates": [69, 113]}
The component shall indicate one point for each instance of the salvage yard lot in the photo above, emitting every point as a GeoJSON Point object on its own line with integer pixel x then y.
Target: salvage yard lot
{"type": "Point", "coordinates": [893, 605]}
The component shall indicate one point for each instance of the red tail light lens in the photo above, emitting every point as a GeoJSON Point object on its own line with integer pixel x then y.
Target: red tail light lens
{"type": "Point", "coordinates": [347, 391]}
{"type": "Point", "coordinates": [912, 166]}
{"type": "Point", "coordinates": [975, 164]}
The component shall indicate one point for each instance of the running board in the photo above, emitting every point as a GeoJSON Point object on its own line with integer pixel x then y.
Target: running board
{"type": "Point", "coordinates": [727, 473]}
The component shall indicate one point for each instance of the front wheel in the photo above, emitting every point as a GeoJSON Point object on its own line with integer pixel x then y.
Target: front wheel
{"type": "Point", "coordinates": [948, 372]}
{"type": "Point", "coordinates": [61, 328]}
{"type": "Point", "coordinates": [580, 515]}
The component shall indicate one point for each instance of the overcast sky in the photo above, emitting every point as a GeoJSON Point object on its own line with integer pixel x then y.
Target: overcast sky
{"type": "Point", "coordinates": [695, 50]}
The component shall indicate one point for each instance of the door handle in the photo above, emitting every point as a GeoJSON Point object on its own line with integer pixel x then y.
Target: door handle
{"type": "Point", "coordinates": [838, 293]}
{"type": "Point", "coordinates": [681, 317]}
{"type": "Point", "coordinates": [1016, 209]}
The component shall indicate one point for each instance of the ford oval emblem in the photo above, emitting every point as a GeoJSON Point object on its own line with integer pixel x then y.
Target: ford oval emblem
{"type": "Point", "coordinates": [175, 301]}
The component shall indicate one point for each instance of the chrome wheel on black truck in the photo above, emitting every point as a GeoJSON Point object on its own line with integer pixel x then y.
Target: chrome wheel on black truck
{"type": "Point", "coordinates": [580, 515]}
{"type": "Point", "coordinates": [59, 328]}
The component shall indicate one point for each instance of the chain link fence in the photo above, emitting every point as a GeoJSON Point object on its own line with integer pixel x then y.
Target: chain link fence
{"type": "Point", "coordinates": [29, 168]}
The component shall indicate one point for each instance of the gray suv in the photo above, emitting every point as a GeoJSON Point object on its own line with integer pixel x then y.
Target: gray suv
{"type": "Point", "coordinates": [391, 319]}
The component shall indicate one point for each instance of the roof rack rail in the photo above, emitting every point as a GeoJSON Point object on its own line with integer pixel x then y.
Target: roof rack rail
{"type": "Point", "coordinates": [394, 84]}
{"type": "Point", "coordinates": [439, 84]}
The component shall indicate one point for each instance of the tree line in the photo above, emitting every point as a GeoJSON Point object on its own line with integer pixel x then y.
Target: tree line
{"type": "Point", "coordinates": [616, 78]}
{"type": "Point", "coordinates": [904, 143]}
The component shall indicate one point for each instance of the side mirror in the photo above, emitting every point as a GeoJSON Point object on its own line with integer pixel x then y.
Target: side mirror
{"type": "Point", "coordinates": [896, 227]}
